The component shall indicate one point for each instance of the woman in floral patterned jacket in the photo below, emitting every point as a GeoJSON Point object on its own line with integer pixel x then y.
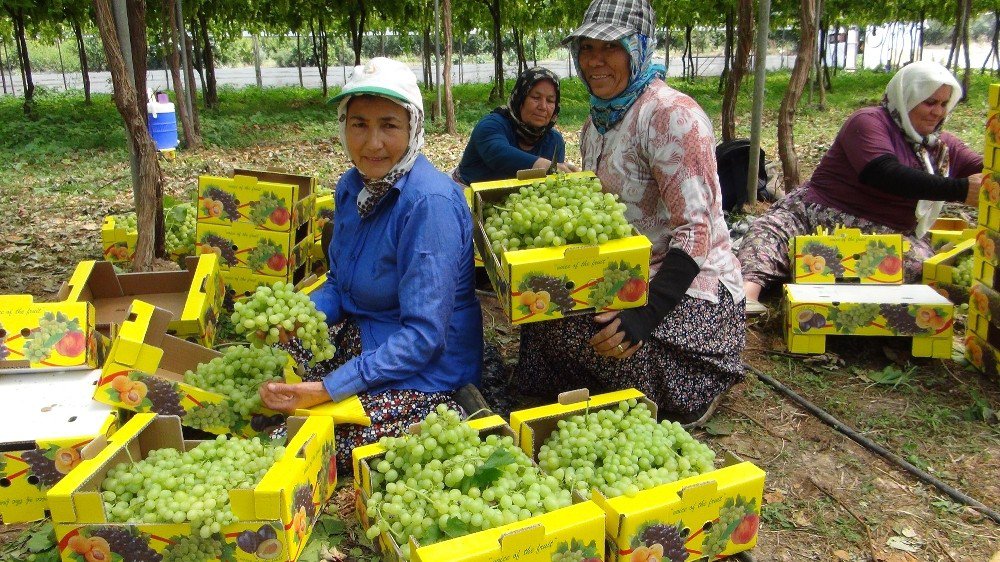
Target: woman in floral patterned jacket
{"type": "Point", "coordinates": [653, 147]}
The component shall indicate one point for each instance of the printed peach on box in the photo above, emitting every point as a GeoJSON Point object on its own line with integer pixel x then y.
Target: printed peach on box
{"type": "Point", "coordinates": [46, 336]}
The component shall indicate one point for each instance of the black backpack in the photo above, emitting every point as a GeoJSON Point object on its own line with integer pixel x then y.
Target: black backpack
{"type": "Point", "coordinates": [733, 159]}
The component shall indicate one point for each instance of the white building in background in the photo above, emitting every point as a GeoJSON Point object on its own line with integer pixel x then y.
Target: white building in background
{"type": "Point", "coordinates": [891, 45]}
{"type": "Point", "coordinates": [842, 48]}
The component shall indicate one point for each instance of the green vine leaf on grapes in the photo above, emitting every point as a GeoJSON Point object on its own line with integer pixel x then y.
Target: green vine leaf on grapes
{"type": "Point", "coordinates": [489, 472]}
{"type": "Point", "coordinates": [455, 527]}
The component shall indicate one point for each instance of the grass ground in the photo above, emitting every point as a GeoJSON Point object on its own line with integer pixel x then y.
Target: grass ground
{"type": "Point", "coordinates": [826, 498]}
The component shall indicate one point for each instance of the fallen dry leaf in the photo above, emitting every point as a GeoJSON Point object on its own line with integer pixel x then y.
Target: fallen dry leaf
{"type": "Point", "coordinates": [842, 554]}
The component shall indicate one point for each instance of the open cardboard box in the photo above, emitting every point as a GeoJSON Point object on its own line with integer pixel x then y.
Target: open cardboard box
{"type": "Point", "coordinates": [192, 296]}
{"type": "Point", "coordinates": [71, 342]}
{"type": "Point", "coordinates": [51, 419]}
{"type": "Point", "coordinates": [939, 271]}
{"type": "Point", "coordinates": [690, 507]}
{"type": "Point", "coordinates": [567, 274]}
{"type": "Point", "coordinates": [535, 538]}
{"type": "Point", "coordinates": [847, 256]}
{"type": "Point", "coordinates": [285, 499]}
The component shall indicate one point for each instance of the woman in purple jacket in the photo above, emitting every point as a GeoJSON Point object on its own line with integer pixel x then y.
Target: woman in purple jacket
{"type": "Point", "coordinates": [890, 170]}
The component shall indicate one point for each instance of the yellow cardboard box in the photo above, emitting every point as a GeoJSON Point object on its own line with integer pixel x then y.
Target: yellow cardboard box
{"type": "Point", "coordinates": [277, 254]}
{"type": "Point", "coordinates": [691, 505]}
{"type": "Point", "coordinates": [991, 148]}
{"type": "Point", "coordinates": [325, 207]}
{"type": "Point", "coordinates": [37, 336]}
{"type": "Point", "coordinates": [982, 355]}
{"type": "Point", "coordinates": [989, 196]}
{"type": "Point", "coordinates": [547, 283]}
{"type": "Point", "coordinates": [986, 249]}
{"type": "Point", "coordinates": [193, 296]}
{"type": "Point", "coordinates": [241, 282]}
{"type": "Point", "coordinates": [118, 244]}
{"type": "Point", "coordinates": [143, 352]}
{"type": "Point", "coordinates": [257, 203]}
{"type": "Point", "coordinates": [847, 255]}
{"type": "Point", "coordinates": [950, 230]}
{"type": "Point", "coordinates": [535, 538]}
{"type": "Point", "coordinates": [940, 272]}
{"type": "Point", "coordinates": [55, 419]}
{"type": "Point", "coordinates": [984, 311]}
{"type": "Point", "coordinates": [284, 500]}
{"type": "Point", "coordinates": [813, 312]}
{"type": "Point", "coordinates": [994, 96]}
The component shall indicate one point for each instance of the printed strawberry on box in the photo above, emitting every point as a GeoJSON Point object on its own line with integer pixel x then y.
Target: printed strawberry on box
{"type": "Point", "coordinates": [256, 203]}
{"type": "Point", "coordinates": [845, 256]}
{"type": "Point", "coordinates": [193, 296]}
{"type": "Point", "coordinates": [274, 517]}
{"type": "Point", "coordinates": [554, 282]}
{"type": "Point", "coordinates": [37, 336]}
{"type": "Point", "coordinates": [55, 419]}
{"type": "Point", "coordinates": [813, 312]}
{"type": "Point", "coordinates": [706, 517]}
{"type": "Point", "coordinates": [578, 528]}
{"type": "Point", "coordinates": [950, 272]}
{"type": "Point", "coordinates": [276, 254]}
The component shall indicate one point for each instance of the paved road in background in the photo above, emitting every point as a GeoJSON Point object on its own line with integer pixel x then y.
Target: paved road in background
{"type": "Point", "coordinates": [239, 77]}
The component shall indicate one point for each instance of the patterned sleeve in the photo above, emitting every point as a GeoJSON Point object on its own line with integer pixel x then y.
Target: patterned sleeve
{"type": "Point", "coordinates": [680, 148]}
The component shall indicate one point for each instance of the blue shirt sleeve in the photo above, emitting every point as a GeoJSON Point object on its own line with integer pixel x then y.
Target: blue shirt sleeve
{"type": "Point", "coordinates": [499, 154]}
{"type": "Point", "coordinates": [327, 297]}
{"type": "Point", "coordinates": [429, 253]}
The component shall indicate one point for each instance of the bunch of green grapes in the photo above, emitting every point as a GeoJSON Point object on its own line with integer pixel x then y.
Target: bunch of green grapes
{"type": "Point", "coordinates": [262, 316]}
{"type": "Point", "coordinates": [603, 292]}
{"type": "Point", "coordinates": [180, 222]}
{"type": "Point", "coordinates": [39, 343]}
{"type": "Point", "coordinates": [850, 318]}
{"type": "Point", "coordinates": [554, 212]}
{"type": "Point", "coordinates": [127, 222]}
{"type": "Point", "coordinates": [193, 548]}
{"type": "Point", "coordinates": [622, 450]}
{"type": "Point", "coordinates": [718, 536]}
{"type": "Point", "coordinates": [170, 486]}
{"type": "Point", "coordinates": [962, 273]}
{"type": "Point", "coordinates": [238, 374]}
{"type": "Point", "coordinates": [213, 415]}
{"type": "Point", "coordinates": [446, 481]}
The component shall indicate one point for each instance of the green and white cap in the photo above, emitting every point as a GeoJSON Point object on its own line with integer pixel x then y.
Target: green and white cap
{"type": "Point", "coordinates": [383, 77]}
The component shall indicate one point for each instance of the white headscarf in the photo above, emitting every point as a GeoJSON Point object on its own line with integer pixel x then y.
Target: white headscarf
{"type": "Point", "coordinates": [909, 87]}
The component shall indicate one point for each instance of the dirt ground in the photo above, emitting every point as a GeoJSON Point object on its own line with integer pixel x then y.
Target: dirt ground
{"type": "Point", "coordinates": [826, 498]}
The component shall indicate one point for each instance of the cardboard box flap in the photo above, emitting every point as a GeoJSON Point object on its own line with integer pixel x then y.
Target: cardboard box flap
{"type": "Point", "coordinates": [91, 280]}
{"type": "Point", "coordinates": [144, 327]}
{"type": "Point", "coordinates": [272, 497]}
{"type": "Point", "coordinates": [52, 405]}
{"type": "Point", "coordinates": [304, 183]}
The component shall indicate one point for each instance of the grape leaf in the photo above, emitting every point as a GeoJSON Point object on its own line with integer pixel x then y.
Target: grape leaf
{"type": "Point", "coordinates": [455, 527]}
{"type": "Point", "coordinates": [490, 471]}
{"type": "Point", "coordinates": [41, 540]}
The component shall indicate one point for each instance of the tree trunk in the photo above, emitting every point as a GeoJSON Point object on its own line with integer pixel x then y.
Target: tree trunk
{"type": "Point", "coordinates": [3, 71]}
{"type": "Point", "coordinates": [449, 101]}
{"type": "Point", "coordinates": [298, 57]}
{"type": "Point", "coordinates": [82, 51]}
{"type": "Point", "coordinates": [172, 39]}
{"type": "Point", "coordinates": [727, 52]}
{"type": "Point", "coordinates": [693, 70]}
{"type": "Point", "coordinates": [256, 60]}
{"type": "Point", "coordinates": [320, 52]}
{"type": "Point", "coordinates": [356, 20]}
{"type": "Point", "coordinates": [522, 59]}
{"type": "Point", "coordinates": [137, 33]}
{"type": "Point", "coordinates": [923, 18]}
{"type": "Point", "coordinates": [24, 62]}
{"type": "Point", "coordinates": [211, 86]}
{"type": "Point", "coordinates": [820, 54]}
{"type": "Point", "coordinates": [425, 58]}
{"type": "Point", "coordinates": [496, 94]}
{"type": "Point", "coordinates": [796, 83]}
{"type": "Point", "coordinates": [199, 64]}
{"type": "Point", "coordinates": [148, 204]}
{"type": "Point", "coordinates": [956, 36]}
{"type": "Point", "coordinates": [745, 32]}
{"type": "Point", "coordinates": [967, 76]}
{"type": "Point", "coordinates": [191, 88]}
{"type": "Point", "coordinates": [666, 50]}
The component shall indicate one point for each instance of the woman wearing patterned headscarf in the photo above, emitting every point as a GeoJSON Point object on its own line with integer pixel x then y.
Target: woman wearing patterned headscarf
{"type": "Point", "coordinates": [654, 147]}
{"type": "Point", "coordinates": [889, 170]}
{"type": "Point", "coordinates": [399, 294]}
{"type": "Point", "coordinates": [519, 136]}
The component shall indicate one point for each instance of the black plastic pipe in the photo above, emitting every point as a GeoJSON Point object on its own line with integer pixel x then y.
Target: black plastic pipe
{"type": "Point", "coordinates": [876, 448]}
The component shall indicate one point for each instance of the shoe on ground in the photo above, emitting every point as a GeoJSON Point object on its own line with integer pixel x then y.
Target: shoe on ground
{"type": "Point", "coordinates": [755, 308]}
{"type": "Point", "coordinates": [699, 419]}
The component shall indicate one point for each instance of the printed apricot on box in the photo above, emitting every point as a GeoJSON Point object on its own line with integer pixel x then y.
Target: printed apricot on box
{"type": "Point", "coordinates": [847, 255]}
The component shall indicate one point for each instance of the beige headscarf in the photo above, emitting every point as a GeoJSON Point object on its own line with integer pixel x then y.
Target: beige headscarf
{"type": "Point", "coordinates": [913, 84]}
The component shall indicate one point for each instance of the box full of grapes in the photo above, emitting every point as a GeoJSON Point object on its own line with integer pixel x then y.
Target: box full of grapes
{"type": "Point", "coordinates": [813, 312]}
{"type": "Point", "coordinates": [847, 256]}
{"type": "Point", "coordinates": [950, 272]}
{"type": "Point", "coordinates": [146, 371]}
{"type": "Point", "coordinates": [55, 419]}
{"type": "Point", "coordinates": [226, 499]}
{"type": "Point", "coordinates": [558, 246]}
{"type": "Point", "coordinates": [485, 502]}
{"type": "Point", "coordinates": [36, 336]}
{"type": "Point", "coordinates": [119, 234]}
{"type": "Point", "coordinates": [982, 355]}
{"type": "Point", "coordinates": [950, 231]}
{"type": "Point", "coordinates": [193, 295]}
{"type": "Point", "coordinates": [677, 503]}
{"type": "Point", "coordinates": [478, 259]}
{"type": "Point", "coordinates": [241, 282]}
{"type": "Point", "coordinates": [268, 201]}
{"type": "Point", "coordinates": [277, 254]}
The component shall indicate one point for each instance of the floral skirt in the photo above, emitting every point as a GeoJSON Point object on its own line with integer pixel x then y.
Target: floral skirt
{"type": "Point", "coordinates": [392, 412]}
{"type": "Point", "coordinates": [691, 357]}
{"type": "Point", "coordinates": [763, 253]}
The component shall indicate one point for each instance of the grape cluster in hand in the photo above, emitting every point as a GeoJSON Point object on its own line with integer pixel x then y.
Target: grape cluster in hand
{"type": "Point", "coordinates": [238, 374]}
{"type": "Point", "coordinates": [446, 481]}
{"type": "Point", "coordinates": [555, 212]}
{"type": "Point", "coordinates": [263, 315]}
{"type": "Point", "coordinates": [170, 486]}
{"type": "Point", "coordinates": [622, 450]}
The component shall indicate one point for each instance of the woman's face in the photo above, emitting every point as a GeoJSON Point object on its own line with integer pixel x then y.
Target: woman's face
{"type": "Point", "coordinates": [928, 114]}
{"type": "Point", "coordinates": [540, 104]}
{"type": "Point", "coordinates": [378, 134]}
{"type": "Point", "coordinates": [605, 66]}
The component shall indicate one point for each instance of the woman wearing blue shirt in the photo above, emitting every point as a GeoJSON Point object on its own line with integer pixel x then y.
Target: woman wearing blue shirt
{"type": "Point", "coordinates": [519, 136]}
{"type": "Point", "coordinates": [399, 294]}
